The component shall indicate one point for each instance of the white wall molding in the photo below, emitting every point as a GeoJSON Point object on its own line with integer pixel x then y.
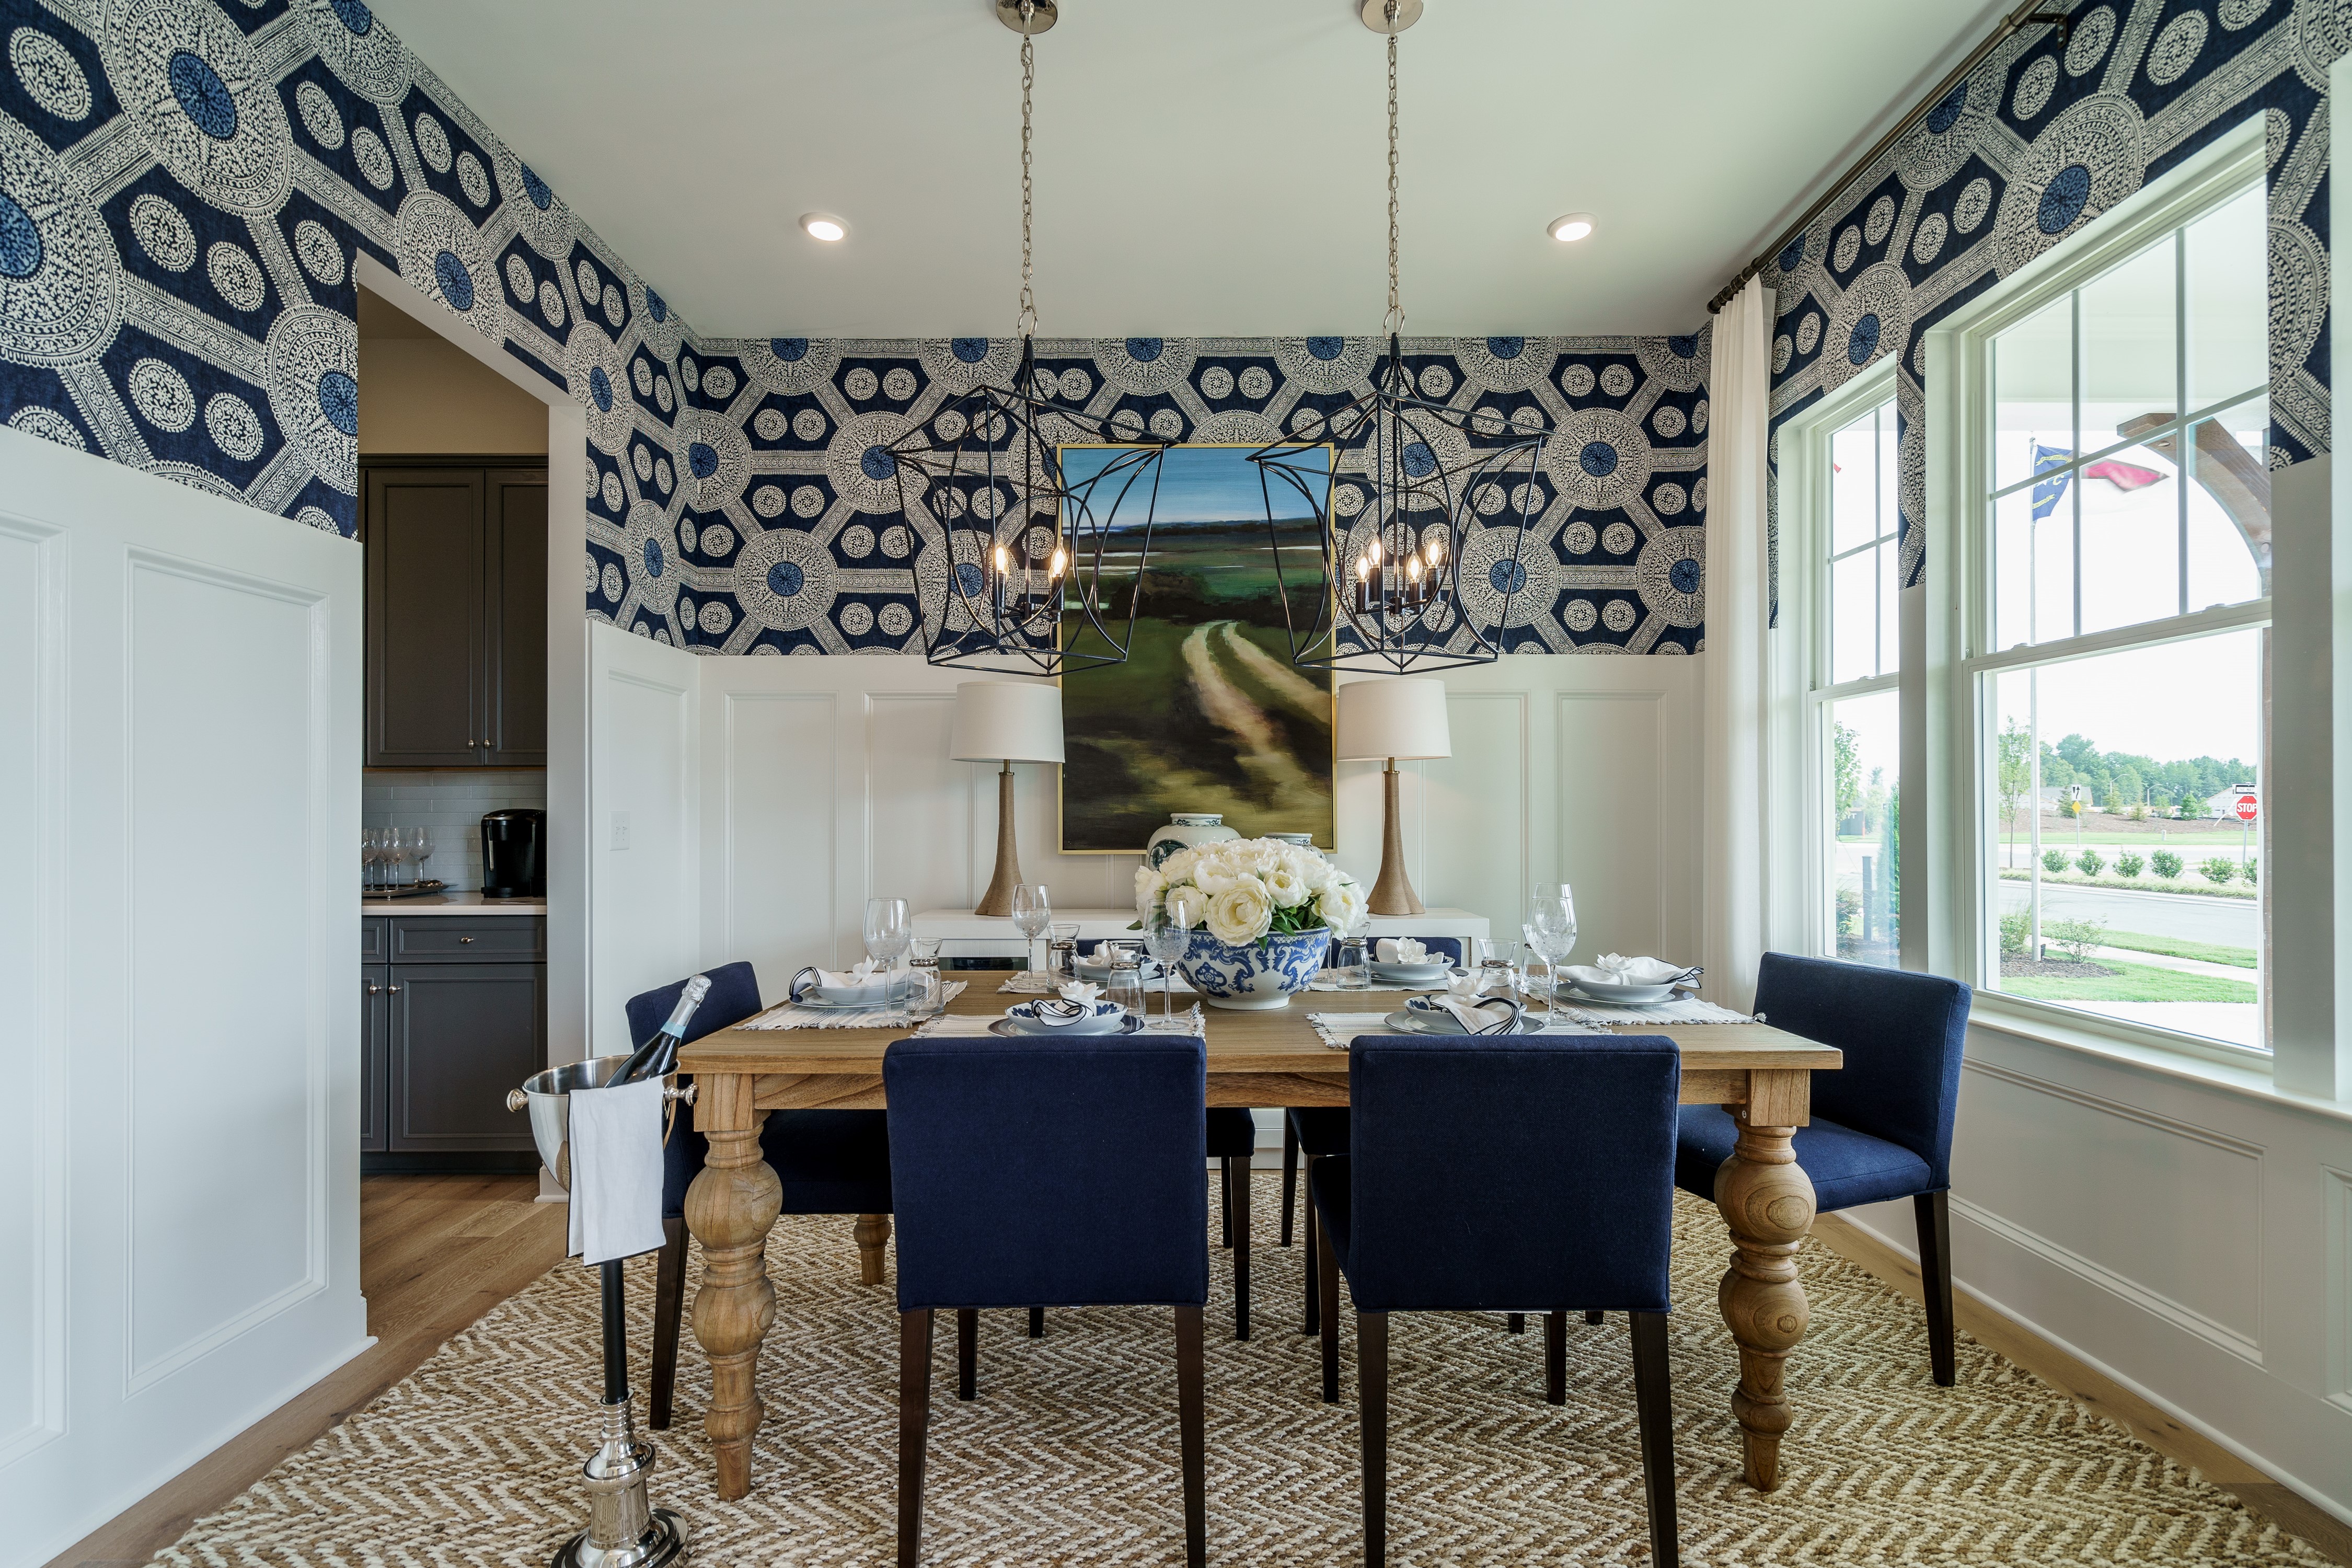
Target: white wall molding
{"type": "Point", "coordinates": [2117, 1108]}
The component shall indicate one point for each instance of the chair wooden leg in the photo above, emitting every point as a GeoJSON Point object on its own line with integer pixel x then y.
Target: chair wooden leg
{"type": "Point", "coordinates": [1555, 1358]}
{"type": "Point", "coordinates": [1225, 1200]}
{"type": "Point", "coordinates": [872, 1233]}
{"type": "Point", "coordinates": [1592, 1317]}
{"type": "Point", "coordinates": [1514, 1322]}
{"type": "Point", "coordinates": [1936, 1279]}
{"type": "Point", "coordinates": [1289, 1174]}
{"type": "Point", "coordinates": [1654, 1408]}
{"type": "Point", "coordinates": [966, 1352]}
{"type": "Point", "coordinates": [1242, 1251]}
{"type": "Point", "coordinates": [1036, 1323]}
{"type": "Point", "coordinates": [1313, 1226]}
{"type": "Point", "coordinates": [1327, 1268]}
{"type": "Point", "coordinates": [1191, 1407]}
{"type": "Point", "coordinates": [669, 1310]}
{"type": "Point", "coordinates": [1372, 1420]}
{"type": "Point", "coordinates": [914, 1423]}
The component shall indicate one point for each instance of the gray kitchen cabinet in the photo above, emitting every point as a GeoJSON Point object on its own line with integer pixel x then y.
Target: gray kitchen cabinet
{"type": "Point", "coordinates": [462, 1035]}
{"type": "Point", "coordinates": [456, 613]}
{"type": "Point", "coordinates": [456, 1010]}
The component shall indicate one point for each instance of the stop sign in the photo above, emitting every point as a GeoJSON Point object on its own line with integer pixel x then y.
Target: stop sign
{"type": "Point", "coordinates": [2247, 807]}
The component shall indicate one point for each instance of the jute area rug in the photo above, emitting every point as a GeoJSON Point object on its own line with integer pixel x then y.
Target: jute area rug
{"type": "Point", "coordinates": [1069, 1455]}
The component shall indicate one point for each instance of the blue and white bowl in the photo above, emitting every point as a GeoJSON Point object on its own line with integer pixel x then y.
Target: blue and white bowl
{"type": "Point", "coordinates": [1107, 1018]}
{"type": "Point", "coordinates": [1262, 974]}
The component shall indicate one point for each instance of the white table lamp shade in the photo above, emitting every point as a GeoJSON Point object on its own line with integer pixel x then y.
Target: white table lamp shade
{"type": "Point", "coordinates": [1393, 716]}
{"type": "Point", "coordinates": [1007, 721]}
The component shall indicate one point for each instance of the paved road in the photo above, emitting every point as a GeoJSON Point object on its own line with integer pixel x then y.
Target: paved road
{"type": "Point", "coordinates": [2235, 922]}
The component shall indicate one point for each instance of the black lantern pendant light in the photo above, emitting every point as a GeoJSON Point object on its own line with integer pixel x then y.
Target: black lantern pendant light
{"type": "Point", "coordinates": [1420, 509]}
{"type": "Point", "coordinates": [1038, 547]}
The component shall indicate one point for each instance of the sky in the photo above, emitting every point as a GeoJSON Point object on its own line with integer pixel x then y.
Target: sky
{"type": "Point", "coordinates": [1216, 486]}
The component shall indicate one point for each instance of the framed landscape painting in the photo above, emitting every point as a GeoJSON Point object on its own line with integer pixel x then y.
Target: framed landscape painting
{"type": "Point", "coordinates": [1207, 713]}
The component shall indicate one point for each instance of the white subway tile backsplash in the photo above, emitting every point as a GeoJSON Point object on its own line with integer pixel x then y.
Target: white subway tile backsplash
{"type": "Point", "coordinates": [452, 804]}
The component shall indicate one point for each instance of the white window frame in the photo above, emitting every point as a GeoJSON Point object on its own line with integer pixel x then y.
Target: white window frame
{"type": "Point", "coordinates": [1954, 710]}
{"type": "Point", "coordinates": [1807, 491]}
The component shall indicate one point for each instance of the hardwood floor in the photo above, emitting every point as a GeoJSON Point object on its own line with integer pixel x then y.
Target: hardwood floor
{"type": "Point", "coordinates": [435, 1253]}
{"type": "Point", "coordinates": [2260, 1494]}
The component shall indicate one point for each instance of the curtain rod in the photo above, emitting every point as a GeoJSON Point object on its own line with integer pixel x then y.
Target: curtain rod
{"type": "Point", "coordinates": [2024, 16]}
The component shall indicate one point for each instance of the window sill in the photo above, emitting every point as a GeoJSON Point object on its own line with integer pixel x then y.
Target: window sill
{"type": "Point", "coordinates": [2208, 1064]}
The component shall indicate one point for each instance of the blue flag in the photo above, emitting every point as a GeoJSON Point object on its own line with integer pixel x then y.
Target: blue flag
{"type": "Point", "coordinates": [2050, 491]}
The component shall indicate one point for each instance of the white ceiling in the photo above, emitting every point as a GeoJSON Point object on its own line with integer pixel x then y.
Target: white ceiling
{"type": "Point", "coordinates": [1204, 167]}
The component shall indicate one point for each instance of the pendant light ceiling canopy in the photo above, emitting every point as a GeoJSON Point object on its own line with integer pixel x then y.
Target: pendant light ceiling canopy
{"type": "Point", "coordinates": [1418, 509]}
{"type": "Point", "coordinates": [1036, 516]}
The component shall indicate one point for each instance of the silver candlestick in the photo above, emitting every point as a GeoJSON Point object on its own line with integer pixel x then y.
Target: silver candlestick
{"type": "Point", "coordinates": [625, 1529]}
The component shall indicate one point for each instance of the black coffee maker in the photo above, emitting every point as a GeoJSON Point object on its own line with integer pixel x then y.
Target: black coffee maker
{"type": "Point", "coordinates": [514, 853]}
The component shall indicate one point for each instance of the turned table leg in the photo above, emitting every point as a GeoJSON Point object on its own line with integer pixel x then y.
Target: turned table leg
{"type": "Point", "coordinates": [873, 1234]}
{"type": "Point", "coordinates": [733, 1201]}
{"type": "Point", "coordinates": [1766, 1201]}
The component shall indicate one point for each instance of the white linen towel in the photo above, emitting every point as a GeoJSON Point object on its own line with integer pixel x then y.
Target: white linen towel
{"type": "Point", "coordinates": [616, 1170]}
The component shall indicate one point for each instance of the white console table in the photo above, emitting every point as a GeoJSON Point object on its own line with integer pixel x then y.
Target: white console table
{"type": "Point", "coordinates": [962, 934]}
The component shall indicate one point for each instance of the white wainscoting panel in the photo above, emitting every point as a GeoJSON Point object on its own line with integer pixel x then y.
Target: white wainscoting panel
{"type": "Point", "coordinates": [179, 1204]}
{"type": "Point", "coordinates": [645, 895]}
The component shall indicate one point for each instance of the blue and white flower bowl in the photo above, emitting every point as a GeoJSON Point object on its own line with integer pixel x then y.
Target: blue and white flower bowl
{"type": "Point", "coordinates": [1258, 975]}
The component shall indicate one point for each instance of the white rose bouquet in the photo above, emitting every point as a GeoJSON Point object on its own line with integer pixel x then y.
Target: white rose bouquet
{"type": "Point", "coordinates": [1243, 890]}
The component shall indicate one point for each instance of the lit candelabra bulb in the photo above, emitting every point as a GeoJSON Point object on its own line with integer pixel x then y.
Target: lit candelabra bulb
{"type": "Point", "coordinates": [1413, 570]}
{"type": "Point", "coordinates": [1003, 561]}
{"type": "Point", "coordinates": [1434, 548]}
{"type": "Point", "coordinates": [1372, 552]}
{"type": "Point", "coordinates": [1054, 567]}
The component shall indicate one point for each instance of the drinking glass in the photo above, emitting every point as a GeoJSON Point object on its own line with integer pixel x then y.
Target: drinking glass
{"type": "Point", "coordinates": [1126, 987]}
{"type": "Point", "coordinates": [396, 853]}
{"type": "Point", "coordinates": [922, 993]}
{"type": "Point", "coordinates": [1499, 963]}
{"type": "Point", "coordinates": [420, 846]}
{"type": "Point", "coordinates": [1166, 941]}
{"type": "Point", "coordinates": [367, 857]}
{"type": "Point", "coordinates": [887, 931]}
{"type": "Point", "coordinates": [1350, 963]}
{"type": "Point", "coordinates": [1032, 912]}
{"type": "Point", "coordinates": [1063, 952]}
{"type": "Point", "coordinates": [1550, 929]}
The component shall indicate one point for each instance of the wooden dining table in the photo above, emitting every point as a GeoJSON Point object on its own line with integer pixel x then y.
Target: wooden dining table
{"type": "Point", "coordinates": [1763, 1076]}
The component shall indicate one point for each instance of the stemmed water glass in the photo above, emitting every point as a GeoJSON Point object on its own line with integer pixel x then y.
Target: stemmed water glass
{"type": "Point", "coordinates": [420, 849]}
{"type": "Point", "coordinates": [1033, 912]}
{"type": "Point", "coordinates": [396, 853]}
{"type": "Point", "coordinates": [1550, 930]}
{"type": "Point", "coordinates": [1166, 938]}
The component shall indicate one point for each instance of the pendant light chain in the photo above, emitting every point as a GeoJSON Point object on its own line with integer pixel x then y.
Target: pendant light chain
{"type": "Point", "coordinates": [1028, 324]}
{"type": "Point", "coordinates": [1395, 322]}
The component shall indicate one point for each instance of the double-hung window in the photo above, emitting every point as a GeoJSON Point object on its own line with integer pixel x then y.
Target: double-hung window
{"type": "Point", "coordinates": [2116, 641]}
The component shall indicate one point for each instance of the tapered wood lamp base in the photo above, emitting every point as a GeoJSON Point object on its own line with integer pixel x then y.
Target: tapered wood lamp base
{"type": "Point", "coordinates": [998, 900]}
{"type": "Point", "coordinates": [1392, 894]}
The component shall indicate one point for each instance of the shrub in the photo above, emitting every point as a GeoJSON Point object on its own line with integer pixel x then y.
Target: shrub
{"type": "Point", "coordinates": [1849, 909]}
{"type": "Point", "coordinates": [2128, 864]}
{"type": "Point", "coordinates": [2053, 860]}
{"type": "Point", "coordinates": [2139, 812]}
{"type": "Point", "coordinates": [2165, 863]}
{"type": "Point", "coordinates": [2091, 862]}
{"type": "Point", "coordinates": [2075, 939]}
{"type": "Point", "coordinates": [2016, 933]}
{"type": "Point", "coordinates": [2253, 863]}
{"type": "Point", "coordinates": [2219, 870]}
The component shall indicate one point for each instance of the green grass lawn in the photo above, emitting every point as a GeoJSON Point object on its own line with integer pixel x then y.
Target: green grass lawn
{"type": "Point", "coordinates": [2135, 983]}
{"type": "Point", "coordinates": [2173, 947]}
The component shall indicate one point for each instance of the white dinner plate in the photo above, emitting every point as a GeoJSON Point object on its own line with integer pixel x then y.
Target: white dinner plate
{"type": "Point", "coordinates": [1412, 1021]}
{"type": "Point", "coordinates": [843, 1000]}
{"type": "Point", "coordinates": [1411, 974]}
{"type": "Point", "coordinates": [1648, 995]}
{"type": "Point", "coordinates": [1025, 1030]}
{"type": "Point", "coordinates": [1088, 970]}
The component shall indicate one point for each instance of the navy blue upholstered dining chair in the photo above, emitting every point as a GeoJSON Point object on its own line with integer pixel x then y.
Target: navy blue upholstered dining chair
{"type": "Point", "coordinates": [1580, 1132]}
{"type": "Point", "coordinates": [1005, 1152]}
{"type": "Point", "coordinates": [827, 1162]}
{"type": "Point", "coordinates": [1318, 1132]}
{"type": "Point", "coordinates": [1882, 1126]}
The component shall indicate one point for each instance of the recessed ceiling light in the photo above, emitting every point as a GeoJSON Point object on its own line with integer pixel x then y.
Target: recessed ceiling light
{"type": "Point", "coordinates": [1569, 229]}
{"type": "Point", "coordinates": [823, 227]}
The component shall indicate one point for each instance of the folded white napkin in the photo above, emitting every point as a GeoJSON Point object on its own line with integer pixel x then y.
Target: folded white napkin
{"type": "Point", "coordinates": [1080, 991]}
{"type": "Point", "coordinates": [1618, 970]}
{"type": "Point", "coordinates": [865, 972]}
{"type": "Point", "coordinates": [616, 1170]}
{"type": "Point", "coordinates": [1400, 950]}
{"type": "Point", "coordinates": [1464, 998]}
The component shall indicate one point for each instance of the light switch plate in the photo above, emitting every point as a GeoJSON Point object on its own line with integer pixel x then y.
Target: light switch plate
{"type": "Point", "coordinates": [620, 830]}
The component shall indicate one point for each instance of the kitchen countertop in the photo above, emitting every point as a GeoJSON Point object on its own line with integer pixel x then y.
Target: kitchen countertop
{"type": "Point", "coordinates": [463, 903]}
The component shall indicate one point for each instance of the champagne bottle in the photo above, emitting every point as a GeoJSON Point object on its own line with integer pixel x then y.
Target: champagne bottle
{"type": "Point", "coordinates": [657, 1056]}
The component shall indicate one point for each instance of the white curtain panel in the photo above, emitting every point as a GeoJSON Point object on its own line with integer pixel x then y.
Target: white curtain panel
{"type": "Point", "coordinates": [1732, 906]}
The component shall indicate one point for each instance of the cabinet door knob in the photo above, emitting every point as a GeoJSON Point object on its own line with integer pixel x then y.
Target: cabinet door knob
{"type": "Point", "coordinates": [373, 989]}
{"type": "Point", "coordinates": [394, 989]}
{"type": "Point", "coordinates": [464, 941]}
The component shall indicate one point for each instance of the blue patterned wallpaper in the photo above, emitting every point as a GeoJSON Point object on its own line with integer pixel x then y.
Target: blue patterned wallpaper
{"type": "Point", "coordinates": [2031, 148]}
{"type": "Point", "coordinates": [184, 184]}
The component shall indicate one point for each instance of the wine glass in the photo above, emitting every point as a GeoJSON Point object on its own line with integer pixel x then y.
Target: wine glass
{"type": "Point", "coordinates": [1166, 938]}
{"type": "Point", "coordinates": [1550, 929]}
{"type": "Point", "coordinates": [420, 848]}
{"type": "Point", "coordinates": [367, 857]}
{"type": "Point", "coordinates": [396, 853]}
{"type": "Point", "coordinates": [887, 931]}
{"type": "Point", "coordinates": [1033, 912]}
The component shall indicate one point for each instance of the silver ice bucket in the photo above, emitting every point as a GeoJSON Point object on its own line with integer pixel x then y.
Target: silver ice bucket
{"type": "Point", "coordinates": [547, 1096]}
